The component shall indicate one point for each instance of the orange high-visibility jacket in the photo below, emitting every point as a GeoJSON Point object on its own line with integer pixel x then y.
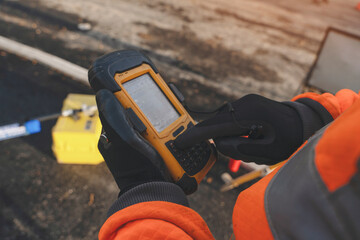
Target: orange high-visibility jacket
{"type": "Point", "coordinates": [314, 195]}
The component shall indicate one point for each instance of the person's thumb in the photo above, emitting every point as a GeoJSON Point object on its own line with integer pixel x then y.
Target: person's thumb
{"type": "Point", "coordinates": [208, 130]}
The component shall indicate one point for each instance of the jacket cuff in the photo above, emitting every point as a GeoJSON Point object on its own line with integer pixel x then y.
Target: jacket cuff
{"type": "Point", "coordinates": [147, 192]}
{"type": "Point", "coordinates": [313, 115]}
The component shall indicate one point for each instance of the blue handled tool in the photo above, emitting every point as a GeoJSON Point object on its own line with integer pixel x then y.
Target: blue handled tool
{"type": "Point", "coordinates": [15, 130]}
{"type": "Point", "coordinates": [18, 130]}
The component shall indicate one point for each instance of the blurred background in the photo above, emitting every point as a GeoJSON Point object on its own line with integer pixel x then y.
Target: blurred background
{"type": "Point", "coordinates": [215, 51]}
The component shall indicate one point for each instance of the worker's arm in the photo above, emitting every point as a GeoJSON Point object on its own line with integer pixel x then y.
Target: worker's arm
{"type": "Point", "coordinates": [155, 220]}
{"type": "Point", "coordinates": [275, 129]}
{"type": "Point", "coordinates": [149, 205]}
{"type": "Point", "coordinates": [316, 194]}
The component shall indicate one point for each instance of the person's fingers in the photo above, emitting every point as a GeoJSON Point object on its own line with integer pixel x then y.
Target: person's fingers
{"type": "Point", "coordinates": [204, 131]}
{"type": "Point", "coordinates": [116, 123]}
{"type": "Point", "coordinates": [249, 149]}
{"type": "Point", "coordinates": [120, 131]}
{"type": "Point", "coordinates": [229, 146]}
{"type": "Point", "coordinates": [241, 148]}
{"type": "Point", "coordinates": [112, 115]}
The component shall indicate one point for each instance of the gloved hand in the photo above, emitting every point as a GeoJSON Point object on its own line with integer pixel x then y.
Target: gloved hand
{"type": "Point", "coordinates": [274, 130]}
{"type": "Point", "coordinates": [130, 158]}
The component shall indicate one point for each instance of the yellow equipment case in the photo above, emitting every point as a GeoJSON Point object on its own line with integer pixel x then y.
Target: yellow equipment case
{"type": "Point", "coordinates": [75, 139]}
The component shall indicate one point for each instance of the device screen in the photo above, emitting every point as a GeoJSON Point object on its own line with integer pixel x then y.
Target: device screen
{"type": "Point", "coordinates": [152, 101]}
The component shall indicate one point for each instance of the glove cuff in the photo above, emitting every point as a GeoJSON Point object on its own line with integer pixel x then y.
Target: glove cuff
{"type": "Point", "coordinates": [313, 115]}
{"type": "Point", "coordinates": [323, 113]}
{"type": "Point", "coordinates": [147, 192]}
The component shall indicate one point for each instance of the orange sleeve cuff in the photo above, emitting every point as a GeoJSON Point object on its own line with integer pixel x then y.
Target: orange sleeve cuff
{"type": "Point", "coordinates": [334, 104]}
{"type": "Point", "coordinates": [155, 220]}
{"type": "Point", "coordinates": [346, 98]}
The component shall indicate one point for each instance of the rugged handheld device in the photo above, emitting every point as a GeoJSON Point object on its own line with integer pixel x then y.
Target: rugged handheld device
{"type": "Point", "coordinates": [155, 112]}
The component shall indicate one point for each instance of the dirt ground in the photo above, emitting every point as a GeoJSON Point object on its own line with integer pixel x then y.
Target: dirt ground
{"type": "Point", "coordinates": [41, 199]}
{"type": "Point", "coordinates": [215, 51]}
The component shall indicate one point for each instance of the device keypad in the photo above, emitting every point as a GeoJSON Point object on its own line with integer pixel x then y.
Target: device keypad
{"type": "Point", "coordinates": [192, 159]}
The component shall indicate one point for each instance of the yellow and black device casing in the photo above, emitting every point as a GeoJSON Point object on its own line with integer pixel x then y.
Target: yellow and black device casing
{"type": "Point", "coordinates": [187, 167]}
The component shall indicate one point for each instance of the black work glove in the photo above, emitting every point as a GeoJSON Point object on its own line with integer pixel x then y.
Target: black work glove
{"type": "Point", "coordinates": [274, 129]}
{"type": "Point", "coordinates": [130, 158]}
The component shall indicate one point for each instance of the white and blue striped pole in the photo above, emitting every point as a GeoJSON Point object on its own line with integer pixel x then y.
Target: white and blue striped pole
{"type": "Point", "coordinates": [34, 126]}
{"type": "Point", "coordinates": [17, 130]}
